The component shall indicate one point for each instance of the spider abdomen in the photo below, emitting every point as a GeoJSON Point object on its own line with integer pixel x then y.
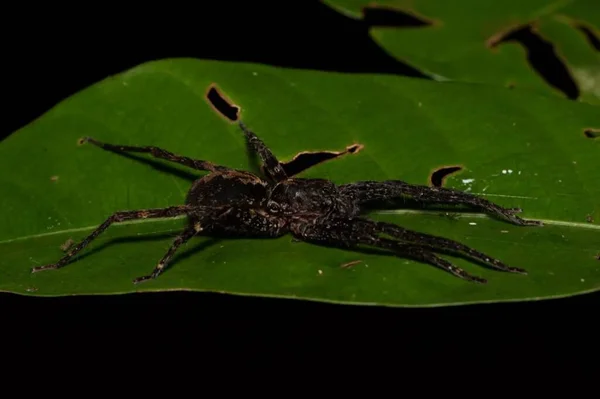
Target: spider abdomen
{"type": "Point", "coordinates": [309, 196]}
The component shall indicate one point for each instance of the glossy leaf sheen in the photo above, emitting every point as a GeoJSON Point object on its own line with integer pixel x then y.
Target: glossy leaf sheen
{"type": "Point", "coordinates": [518, 149]}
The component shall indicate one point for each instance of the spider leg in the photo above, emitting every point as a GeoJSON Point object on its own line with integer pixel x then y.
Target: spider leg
{"type": "Point", "coordinates": [436, 243]}
{"type": "Point", "coordinates": [117, 217]}
{"type": "Point", "coordinates": [272, 166]}
{"type": "Point", "coordinates": [179, 240]}
{"type": "Point", "coordinates": [365, 191]}
{"type": "Point", "coordinates": [421, 254]}
{"type": "Point", "coordinates": [161, 154]}
{"type": "Point", "coordinates": [350, 233]}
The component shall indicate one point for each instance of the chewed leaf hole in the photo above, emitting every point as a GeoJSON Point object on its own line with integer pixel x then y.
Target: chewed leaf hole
{"type": "Point", "coordinates": [592, 133]}
{"type": "Point", "coordinates": [590, 35]}
{"type": "Point", "coordinates": [438, 177]}
{"type": "Point", "coordinates": [308, 159]}
{"type": "Point", "coordinates": [354, 148]}
{"type": "Point", "coordinates": [542, 57]}
{"type": "Point", "coordinates": [391, 17]}
{"type": "Point", "coordinates": [221, 104]}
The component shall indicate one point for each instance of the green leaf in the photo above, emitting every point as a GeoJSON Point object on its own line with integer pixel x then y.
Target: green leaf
{"type": "Point", "coordinates": [517, 149]}
{"type": "Point", "coordinates": [457, 43]}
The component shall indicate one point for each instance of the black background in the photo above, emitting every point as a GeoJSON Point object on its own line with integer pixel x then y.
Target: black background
{"type": "Point", "coordinates": [48, 57]}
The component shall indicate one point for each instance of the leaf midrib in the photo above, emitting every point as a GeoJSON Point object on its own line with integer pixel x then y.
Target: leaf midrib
{"type": "Point", "coordinates": [554, 222]}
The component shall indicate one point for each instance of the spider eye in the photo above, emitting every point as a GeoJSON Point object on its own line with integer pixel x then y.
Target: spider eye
{"type": "Point", "coordinates": [273, 207]}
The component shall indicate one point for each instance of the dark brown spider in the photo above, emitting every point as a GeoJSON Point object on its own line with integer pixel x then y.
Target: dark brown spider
{"type": "Point", "coordinates": [230, 202]}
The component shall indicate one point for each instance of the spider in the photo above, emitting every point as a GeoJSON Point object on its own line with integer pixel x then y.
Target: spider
{"type": "Point", "coordinates": [233, 202]}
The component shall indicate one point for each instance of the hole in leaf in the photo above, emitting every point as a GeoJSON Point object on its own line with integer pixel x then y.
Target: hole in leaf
{"type": "Point", "coordinates": [221, 103]}
{"type": "Point", "coordinates": [592, 133]}
{"type": "Point", "coordinates": [542, 57]}
{"type": "Point", "coordinates": [438, 177]}
{"type": "Point", "coordinates": [391, 17]}
{"type": "Point", "coordinates": [308, 159]}
{"type": "Point", "coordinates": [590, 35]}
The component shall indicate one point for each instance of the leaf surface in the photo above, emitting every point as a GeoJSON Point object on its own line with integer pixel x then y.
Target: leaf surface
{"type": "Point", "coordinates": [517, 149]}
{"type": "Point", "coordinates": [462, 41]}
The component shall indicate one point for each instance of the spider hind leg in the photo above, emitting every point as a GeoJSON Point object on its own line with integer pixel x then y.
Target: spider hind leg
{"type": "Point", "coordinates": [441, 244]}
{"type": "Point", "coordinates": [365, 191]}
{"type": "Point", "coordinates": [352, 232]}
{"type": "Point", "coordinates": [424, 255]}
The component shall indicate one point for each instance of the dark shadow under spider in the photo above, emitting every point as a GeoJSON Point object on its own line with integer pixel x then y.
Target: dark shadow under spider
{"type": "Point", "coordinates": [229, 202]}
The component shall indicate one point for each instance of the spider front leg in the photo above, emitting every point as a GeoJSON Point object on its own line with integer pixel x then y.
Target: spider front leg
{"type": "Point", "coordinates": [352, 232]}
{"type": "Point", "coordinates": [435, 243]}
{"type": "Point", "coordinates": [272, 166]}
{"type": "Point", "coordinates": [160, 154]}
{"type": "Point", "coordinates": [365, 191]}
{"type": "Point", "coordinates": [117, 217]}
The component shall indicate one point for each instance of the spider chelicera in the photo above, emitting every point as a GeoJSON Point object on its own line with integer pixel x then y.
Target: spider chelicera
{"type": "Point", "coordinates": [233, 202]}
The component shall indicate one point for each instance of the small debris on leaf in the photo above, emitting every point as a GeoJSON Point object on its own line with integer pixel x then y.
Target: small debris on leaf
{"type": "Point", "coordinates": [67, 244]}
{"type": "Point", "coordinates": [350, 264]}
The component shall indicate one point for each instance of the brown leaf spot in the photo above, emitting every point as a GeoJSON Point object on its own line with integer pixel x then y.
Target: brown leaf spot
{"type": "Point", "coordinates": [67, 244]}
{"type": "Point", "coordinates": [350, 264]}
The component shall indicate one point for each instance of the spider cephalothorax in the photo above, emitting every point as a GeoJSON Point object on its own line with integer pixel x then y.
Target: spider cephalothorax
{"type": "Point", "coordinates": [229, 202]}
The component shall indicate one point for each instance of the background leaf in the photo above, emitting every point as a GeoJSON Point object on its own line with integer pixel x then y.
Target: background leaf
{"type": "Point", "coordinates": [519, 149]}
{"type": "Point", "coordinates": [458, 45]}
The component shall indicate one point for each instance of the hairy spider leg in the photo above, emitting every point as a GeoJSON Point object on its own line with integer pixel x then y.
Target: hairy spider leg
{"type": "Point", "coordinates": [272, 166]}
{"type": "Point", "coordinates": [179, 240]}
{"type": "Point", "coordinates": [161, 154]}
{"type": "Point", "coordinates": [419, 253]}
{"type": "Point", "coordinates": [383, 190]}
{"type": "Point", "coordinates": [350, 233]}
{"type": "Point", "coordinates": [118, 217]}
{"type": "Point", "coordinates": [438, 244]}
